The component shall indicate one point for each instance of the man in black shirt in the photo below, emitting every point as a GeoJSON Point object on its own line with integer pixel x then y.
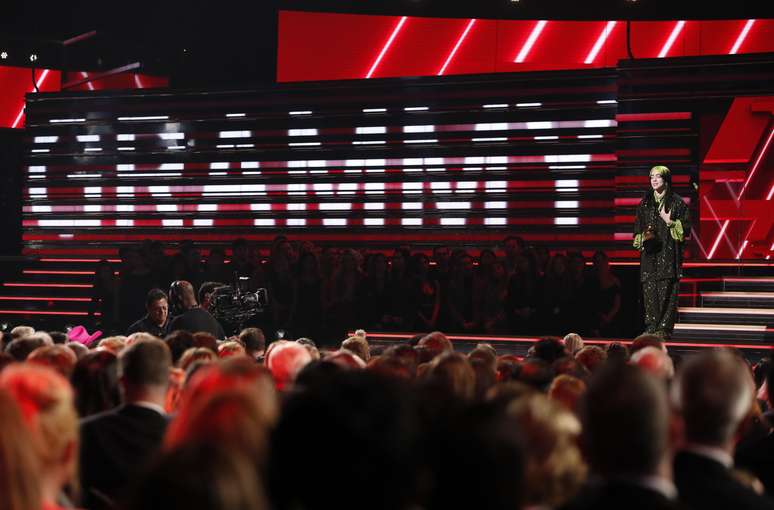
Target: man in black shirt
{"type": "Point", "coordinates": [156, 320]}
{"type": "Point", "coordinates": [192, 317]}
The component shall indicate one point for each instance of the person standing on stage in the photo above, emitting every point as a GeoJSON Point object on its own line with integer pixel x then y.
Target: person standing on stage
{"type": "Point", "coordinates": [660, 226]}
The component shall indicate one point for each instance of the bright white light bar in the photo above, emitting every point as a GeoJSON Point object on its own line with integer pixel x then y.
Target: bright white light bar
{"type": "Point", "coordinates": [225, 146]}
{"type": "Point", "coordinates": [416, 109]}
{"type": "Point", "coordinates": [411, 205]}
{"type": "Point", "coordinates": [607, 101]}
{"type": "Point", "coordinates": [741, 38]}
{"type": "Point", "coordinates": [419, 129]}
{"type": "Point", "coordinates": [566, 204]}
{"type": "Point", "coordinates": [300, 112]}
{"type": "Point", "coordinates": [495, 205]}
{"type": "Point", "coordinates": [495, 221]}
{"type": "Point", "coordinates": [374, 110]}
{"type": "Point", "coordinates": [40, 150]}
{"type": "Point", "coordinates": [166, 207]}
{"type": "Point", "coordinates": [452, 205]}
{"type": "Point", "coordinates": [87, 138]}
{"type": "Point", "coordinates": [373, 222]}
{"type": "Point", "coordinates": [440, 186]}
{"type": "Point", "coordinates": [412, 187]}
{"type": "Point", "coordinates": [176, 147]}
{"type": "Point", "coordinates": [46, 139]}
{"type": "Point", "coordinates": [304, 144]}
{"type": "Point", "coordinates": [411, 222]}
{"type": "Point", "coordinates": [151, 174]}
{"type": "Point", "coordinates": [295, 207]}
{"type": "Point", "coordinates": [528, 105]}
{"type": "Point", "coordinates": [171, 223]}
{"type": "Point", "coordinates": [491, 126]}
{"type": "Point", "coordinates": [92, 208]}
{"type": "Point", "coordinates": [369, 142]}
{"type": "Point", "coordinates": [92, 149]}
{"type": "Point", "coordinates": [337, 206]}
{"type": "Point", "coordinates": [65, 121]}
{"type": "Point", "coordinates": [296, 222]}
{"type": "Point", "coordinates": [597, 123]}
{"type": "Point", "coordinates": [374, 206]}
{"type": "Point", "coordinates": [233, 115]}
{"type": "Point", "coordinates": [490, 139]}
{"type": "Point", "coordinates": [422, 140]}
{"type": "Point", "coordinates": [124, 223]}
{"type": "Point", "coordinates": [69, 223]}
{"type": "Point", "coordinates": [263, 222]}
{"type": "Point", "coordinates": [207, 207]}
{"type": "Point", "coordinates": [453, 221]}
{"type": "Point", "coordinates": [371, 130]}
{"type": "Point", "coordinates": [39, 192]}
{"type": "Point", "coordinates": [250, 164]}
{"type": "Point", "coordinates": [547, 137]}
{"type": "Point", "coordinates": [566, 167]}
{"type": "Point", "coordinates": [234, 134]}
{"type": "Point", "coordinates": [83, 176]}
{"type": "Point", "coordinates": [496, 105]}
{"type": "Point", "coordinates": [41, 208]}
{"type": "Point", "coordinates": [302, 132]}
{"type": "Point", "coordinates": [540, 125]}
{"type": "Point", "coordinates": [171, 136]}
{"type": "Point", "coordinates": [334, 222]}
{"type": "Point", "coordinates": [125, 138]}
{"type": "Point", "coordinates": [124, 208]}
{"type": "Point", "coordinates": [586, 137]}
{"type": "Point", "coordinates": [202, 222]}
{"type": "Point", "coordinates": [671, 40]}
{"type": "Point", "coordinates": [566, 183]}
{"type": "Point", "coordinates": [126, 148]}
{"type": "Point", "coordinates": [37, 169]}
{"type": "Point", "coordinates": [567, 158]}
{"type": "Point", "coordinates": [146, 117]}
{"type": "Point", "coordinates": [565, 221]}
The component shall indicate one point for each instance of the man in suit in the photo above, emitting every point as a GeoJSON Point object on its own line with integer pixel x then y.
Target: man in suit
{"type": "Point", "coordinates": [156, 321]}
{"type": "Point", "coordinates": [714, 391]}
{"type": "Point", "coordinates": [626, 438]}
{"type": "Point", "coordinates": [116, 444]}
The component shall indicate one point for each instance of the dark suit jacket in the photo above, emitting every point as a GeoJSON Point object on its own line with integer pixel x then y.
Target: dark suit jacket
{"type": "Point", "coordinates": [705, 484]}
{"type": "Point", "coordinates": [758, 456]}
{"type": "Point", "coordinates": [618, 495]}
{"type": "Point", "coordinates": [115, 447]}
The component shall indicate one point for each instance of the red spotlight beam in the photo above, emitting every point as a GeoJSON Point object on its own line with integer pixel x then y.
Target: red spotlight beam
{"type": "Point", "coordinates": [386, 46]}
{"type": "Point", "coordinates": [456, 47]}
{"type": "Point", "coordinates": [757, 162]}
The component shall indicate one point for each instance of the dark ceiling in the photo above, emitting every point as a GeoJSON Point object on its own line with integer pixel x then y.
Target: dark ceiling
{"type": "Point", "coordinates": [229, 42]}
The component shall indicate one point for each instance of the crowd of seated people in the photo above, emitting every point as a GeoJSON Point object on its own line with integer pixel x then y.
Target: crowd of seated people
{"type": "Point", "coordinates": [324, 292]}
{"type": "Point", "coordinates": [192, 421]}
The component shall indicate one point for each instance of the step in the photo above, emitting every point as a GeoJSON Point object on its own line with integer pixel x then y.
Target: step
{"type": "Point", "coordinates": [723, 332]}
{"type": "Point", "coordinates": [737, 299]}
{"type": "Point", "coordinates": [749, 283]}
{"type": "Point", "coordinates": [718, 315]}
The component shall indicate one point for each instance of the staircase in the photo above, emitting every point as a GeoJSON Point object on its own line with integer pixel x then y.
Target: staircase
{"type": "Point", "coordinates": [727, 310]}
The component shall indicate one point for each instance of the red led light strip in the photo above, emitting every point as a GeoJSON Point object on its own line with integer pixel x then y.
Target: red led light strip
{"type": "Point", "coordinates": [536, 31]}
{"type": "Point", "coordinates": [386, 47]}
{"type": "Point", "coordinates": [609, 26]}
{"type": "Point", "coordinates": [456, 47]}
{"type": "Point", "coordinates": [742, 36]}
{"type": "Point", "coordinates": [755, 165]}
{"type": "Point", "coordinates": [671, 39]}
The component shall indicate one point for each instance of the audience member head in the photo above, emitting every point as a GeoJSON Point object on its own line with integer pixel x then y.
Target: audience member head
{"type": "Point", "coordinates": [199, 476]}
{"type": "Point", "coordinates": [625, 416]}
{"type": "Point", "coordinates": [194, 354]}
{"type": "Point", "coordinates": [144, 371]}
{"type": "Point", "coordinates": [406, 354]}
{"type": "Point", "coordinates": [58, 357]}
{"type": "Point", "coordinates": [654, 361]}
{"type": "Point", "coordinates": [714, 392]}
{"type": "Point", "coordinates": [181, 296]}
{"type": "Point", "coordinates": [232, 405]}
{"type": "Point", "coordinates": [357, 345]}
{"type": "Point", "coordinates": [486, 375]}
{"type": "Point", "coordinates": [646, 340]}
{"type": "Point", "coordinates": [21, 332]}
{"type": "Point", "coordinates": [114, 344]}
{"type": "Point", "coordinates": [78, 349]}
{"type": "Point", "coordinates": [617, 352]}
{"type": "Point", "coordinates": [554, 469]}
{"type": "Point", "coordinates": [95, 381]}
{"type": "Point", "coordinates": [157, 306]}
{"type": "Point", "coordinates": [390, 366]}
{"type": "Point", "coordinates": [549, 349]}
{"type": "Point", "coordinates": [206, 340]}
{"type": "Point", "coordinates": [205, 293]}
{"type": "Point", "coordinates": [230, 349]}
{"type": "Point", "coordinates": [567, 391]}
{"type": "Point", "coordinates": [435, 343]}
{"type": "Point", "coordinates": [254, 340]}
{"type": "Point", "coordinates": [19, 471]}
{"type": "Point", "coordinates": [310, 346]}
{"type": "Point", "coordinates": [285, 359]}
{"type": "Point", "coordinates": [345, 359]}
{"type": "Point", "coordinates": [45, 399]}
{"type": "Point", "coordinates": [452, 372]}
{"type": "Point", "coordinates": [573, 343]}
{"type": "Point", "coordinates": [536, 373]}
{"type": "Point", "coordinates": [372, 433]}
{"type": "Point", "coordinates": [21, 348]}
{"type": "Point", "coordinates": [178, 342]}
{"type": "Point", "coordinates": [59, 337]}
{"type": "Point", "coordinates": [592, 357]}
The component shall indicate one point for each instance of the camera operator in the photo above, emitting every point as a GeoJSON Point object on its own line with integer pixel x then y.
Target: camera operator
{"type": "Point", "coordinates": [191, 316]}
{"type": "Point", "coordinates": [156, 321]}
{"type": "Point", "coordinates": [205, 292]}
